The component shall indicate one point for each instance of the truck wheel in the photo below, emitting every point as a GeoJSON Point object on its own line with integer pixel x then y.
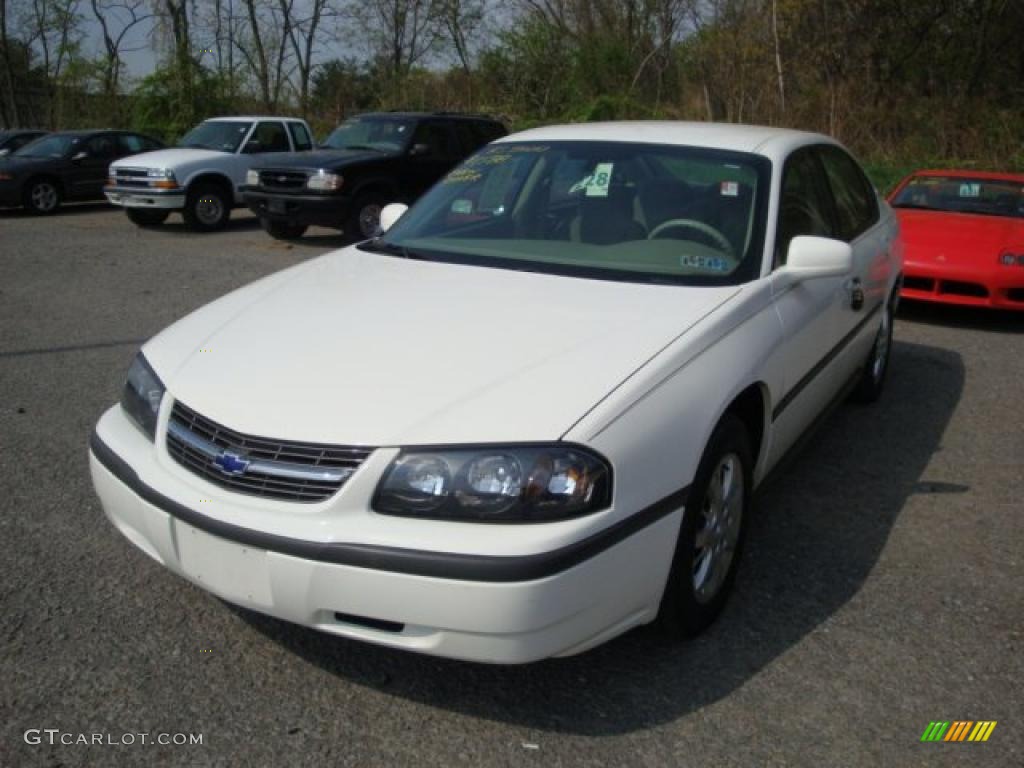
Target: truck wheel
{"type": "Point", "coordinates": [711, 535]}
{"type": "Point", "coordinates": [41, 196]}
{"type": "Point", "coordinates": [207, 207]}
{"type": "Point", "coordinates": [280, 230]}
{"type": "Point", "coordinates": [146, 218]}
{"type": "Point", "coordinates": [364, 220]}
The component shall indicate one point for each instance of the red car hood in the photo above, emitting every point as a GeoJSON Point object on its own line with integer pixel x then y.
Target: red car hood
{"type": "Point", "coordinates": [965, 239]}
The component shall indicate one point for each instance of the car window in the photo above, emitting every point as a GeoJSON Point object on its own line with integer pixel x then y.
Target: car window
{"type": "Point", "coordinates": [856, 203]}
{"type": "Point", "coordinates": [269, 136]}
{"type": "Point", "coordinates": [488, 132]}
{"type": "Point", "coordinates": [131, 144]}
{"type": "Point", "coordinates": [963, 194]}
{"type": "Point", "coordinates": [469, 140]}
{"type": "Point", "coordinates": [218, 135]}
{"type": "Point", "coordinates": [100, 146]}
{"type": "Point", "coordinates": [805, 206]}
{"type": "Point", "coordinates": [383, 134]}
{"type": "Point", "coordinates": [300, 137]}
{"type": "Point", "coordinates": [20, 141]}
{"type": "Point", "coordinates": [438, 139]}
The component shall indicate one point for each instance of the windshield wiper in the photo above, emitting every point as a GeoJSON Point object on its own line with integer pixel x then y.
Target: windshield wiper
{"type": "Point", "coordinates": [378, 245]}
{"type": "Point", "coordinates": [361, 146]}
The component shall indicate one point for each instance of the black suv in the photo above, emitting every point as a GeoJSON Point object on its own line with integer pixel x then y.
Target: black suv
{"type": "Point", "coordinates": [367, 162]}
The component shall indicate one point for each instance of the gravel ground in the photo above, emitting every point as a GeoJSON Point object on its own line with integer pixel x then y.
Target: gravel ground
{"type": "Point", "coordinates": [882, 587]}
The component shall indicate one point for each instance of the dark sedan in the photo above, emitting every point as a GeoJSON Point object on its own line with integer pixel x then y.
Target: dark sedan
{"type": "Point", "coordinates": [65, 166]}
{"type": "Point", "coordinates": [16, 138]}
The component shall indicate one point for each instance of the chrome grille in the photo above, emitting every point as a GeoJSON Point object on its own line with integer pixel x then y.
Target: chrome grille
{"type": "Point", "coordinates": [131, 177]}
{"type": "Point", "coordinates": [283, 179]}
{"type": "Point", "coordinates": [276, 469]}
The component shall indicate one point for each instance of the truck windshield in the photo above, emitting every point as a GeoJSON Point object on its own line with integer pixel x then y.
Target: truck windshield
{"type": "Point", "coordinates": [219, 135]}
{"type": "Point", "coordinates": [610, 210]}
{"type": "Point", "coordinates": [380, 133]}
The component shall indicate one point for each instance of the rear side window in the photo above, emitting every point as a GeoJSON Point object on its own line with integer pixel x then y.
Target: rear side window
{"type": "Point", "coordinates": [488, 132]}
{"type": "Point", "coordinates": [130, 144]}
{"type": "Point", "coordinates": [805, 207]}
{"type": "Point", "coordinates": [300, 136]}
{"type": "Point", "coordinates": [856, 203]}
{"type": "Point", "coordinates": [100, 146]}
{"type": "Point", "coordinates": [268, 137]}
{"type": "Point", "coordinates": [438, 138]}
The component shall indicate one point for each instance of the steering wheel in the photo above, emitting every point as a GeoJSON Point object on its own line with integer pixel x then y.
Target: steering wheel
{"type": "Point", "coordinates": [700, 226]}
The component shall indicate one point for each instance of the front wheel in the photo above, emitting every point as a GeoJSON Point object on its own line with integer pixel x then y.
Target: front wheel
{"type": "Point", "coordinates": [872, 380]}
{"type": "Point", "coordinates": [41, 196]}
{"type": "Point", "coordinates": [207, 208]}
{"type": "Point", "coordinates": [146, 218]}
{"type": "Point", "coordinates": [364, 220]}
{"type": "Point", "coordinates": [280, 230]}
{"type": "Point", "coordinates": [712, 532]}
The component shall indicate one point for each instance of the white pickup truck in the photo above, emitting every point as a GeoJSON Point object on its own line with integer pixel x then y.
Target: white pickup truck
{"type": "Point", "coordinates": [202, 175]}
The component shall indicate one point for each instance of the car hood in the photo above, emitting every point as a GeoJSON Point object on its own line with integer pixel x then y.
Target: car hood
{"type": "Point", "coordinates": [321, 158]}
{"type": "Point", "coordinates": [367, 349]}
{"type": "Point", "coordinates": [957, 238]}
{"type": "Point", "coordinates": [168, 158]}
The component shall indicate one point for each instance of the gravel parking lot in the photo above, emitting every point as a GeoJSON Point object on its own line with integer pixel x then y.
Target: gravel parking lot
{"type": "Point", "coordinates": [882, 587]}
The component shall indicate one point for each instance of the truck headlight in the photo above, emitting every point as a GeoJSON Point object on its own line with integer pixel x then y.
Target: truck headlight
{"type": "Point", "coordinates": [252, 178]}
{"type": "Point", "coordinates": [325, 182]}
{"type": "Point", "coordinates": [500, 484]}
{"type": "Point", "coordinates": [143, 392]}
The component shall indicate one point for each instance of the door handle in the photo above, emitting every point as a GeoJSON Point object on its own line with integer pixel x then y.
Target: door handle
{"type": "Point", "coordinates": [855, 289]}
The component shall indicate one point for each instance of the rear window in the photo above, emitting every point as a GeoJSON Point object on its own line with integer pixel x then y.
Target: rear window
{"type": "Point", "coordinates": [963, 194]}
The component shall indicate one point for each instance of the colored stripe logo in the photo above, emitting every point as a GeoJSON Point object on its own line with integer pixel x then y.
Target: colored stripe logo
{"type": "Point", "coordinates": [958, 730]}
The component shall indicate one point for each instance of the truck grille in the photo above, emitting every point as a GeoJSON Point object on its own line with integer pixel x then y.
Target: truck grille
{"type": "Point", "coordinates": [131, 177]}
{"type": "Point", "coordinates": [276, 469]}
{"type": "Point", "coordinates": [283, 179]}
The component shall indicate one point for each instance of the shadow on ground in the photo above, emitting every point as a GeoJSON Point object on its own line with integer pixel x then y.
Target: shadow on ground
{"type": "Point", "coordinates": [951, 315]}
{"type": "Point", "coordinates": [66, 209]}
{"type": "Point", "coordinates": [820, 527]}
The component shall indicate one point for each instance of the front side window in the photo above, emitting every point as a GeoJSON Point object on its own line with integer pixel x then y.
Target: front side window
{"type": "Point", "coordinates": [218, 135]}
{"type": "Point", "coordinates": [300, 137]}
{"type": "Point", "coordinates": [436, 141]}
{"type": "Point", "coordinates": [382, 134]}
{"type": "Point", "coordinates": [100, 146]}
{"type": "Point", "coordinates": [611, 210]}
{"type": "Point", "coordinates": [856, 203]}
{"type": "Point", "coordinates": [963, 194]}
{"type": "Point", "coordinates": [805, 206]}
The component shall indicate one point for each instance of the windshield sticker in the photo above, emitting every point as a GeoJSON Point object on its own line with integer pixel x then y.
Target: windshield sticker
{"type": "Point", "coordinates": [710, 263]}
{"type": "Point", "coordinates": [970, 190]}
{"type": "Point", "coordinates": [730, 189]}
{"type": "Point", "coordinates": [595, 184]}
{"type": "Point", "coordinates": [465, 174]}
{"type": "Point", "coordinates": [462, 206]}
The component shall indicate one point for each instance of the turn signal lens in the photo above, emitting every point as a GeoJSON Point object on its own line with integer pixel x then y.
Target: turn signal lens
{"type": "Point", "coordinates": [165, 184]}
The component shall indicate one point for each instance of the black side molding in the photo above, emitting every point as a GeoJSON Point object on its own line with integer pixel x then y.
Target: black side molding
{"type": "Point", "coordinates": [443, 565]}
{"type": "Point", "coordinates": [831, 355]}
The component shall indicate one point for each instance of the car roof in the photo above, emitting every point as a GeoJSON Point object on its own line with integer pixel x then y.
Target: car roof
{"type": "Point", "coordinates": [759, 139]}
{"type": "Point", "coordinates": [967, 173]}
{"type": "Point", "coordinates": [229, 118]}
{"type": "Point", "coordinates": [445, 115]}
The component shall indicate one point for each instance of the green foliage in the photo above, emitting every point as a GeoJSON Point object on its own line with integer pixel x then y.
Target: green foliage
{"type": "Point", "coordinates": [158, 109]}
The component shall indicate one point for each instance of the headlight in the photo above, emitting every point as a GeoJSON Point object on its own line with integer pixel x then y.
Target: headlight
{"type": "Point", "coordinates": [501, 484]}
{"type": "Point", "coordinates": [159, 173]}
{"type": "Point", "coordinates": [252, 178]}
{"type": "Point", "coordinates": [325, 182]}
{"type": "Point", "coordinates": [143, 392]}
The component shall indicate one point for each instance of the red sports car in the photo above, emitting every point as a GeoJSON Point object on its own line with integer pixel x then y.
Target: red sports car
{"type": "Point", "coordinates": [963, 234]}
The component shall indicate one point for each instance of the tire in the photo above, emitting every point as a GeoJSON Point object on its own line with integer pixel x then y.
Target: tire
{"type": "Point", "coordinates": [280, 230]}
{"type": "Point", "coordinates": [146, 218]}
{"type": "Point", "coordinates": [364, 220]}
{"type": "Point", "coordinates": [876, 367]}
{"type": "Point", "coordinates": [207, 207]}
{"type": "Point", "coordinates": [41, 196]}
{"type": "Point", "coordinates": [712, 533]}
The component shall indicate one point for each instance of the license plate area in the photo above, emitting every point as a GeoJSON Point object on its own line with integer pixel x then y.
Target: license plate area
{"type": "Point", "coordinates": [276, 206]}
{"type": "Point", "coordinates": [231, 570]}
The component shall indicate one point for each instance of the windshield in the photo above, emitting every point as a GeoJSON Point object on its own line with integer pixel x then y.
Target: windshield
{"type": "Point", "coordinates": [610, 210]}
{"type": "Point", "coordinates": [380, 133]}
{"type": "Point", "coordinates": [220, 135]}
{"type": "Point", "coordinates": [962, 194]}
{"type": "Point", "coordinates": [49, 146]}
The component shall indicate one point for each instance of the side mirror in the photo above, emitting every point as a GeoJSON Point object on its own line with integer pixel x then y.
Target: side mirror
{"type": "Point", "coordinates": [79, 156]}
{"type": "Point", "coordinates": [389, 214]}
{"type": "Point", "coordinates": [419, 150]}
{"type": "Point", "coordinates": [814, 257]}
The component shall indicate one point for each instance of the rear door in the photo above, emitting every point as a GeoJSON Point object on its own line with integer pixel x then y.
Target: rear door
{"type": "Point", "coordinates": [433, 151]}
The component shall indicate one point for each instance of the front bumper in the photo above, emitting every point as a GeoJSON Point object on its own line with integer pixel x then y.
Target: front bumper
{"type": "Point", "coordinates": [309, 210]}
{"type": "Point", "coordinates": [478, 607]}
{"type": "Point", "coordinates": [998, 288]}
{"type": "Point", "coordinates": [140, 197]}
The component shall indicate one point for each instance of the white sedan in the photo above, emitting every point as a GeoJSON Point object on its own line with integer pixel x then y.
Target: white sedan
{"type": "Point", "coordinates": [530, 415]}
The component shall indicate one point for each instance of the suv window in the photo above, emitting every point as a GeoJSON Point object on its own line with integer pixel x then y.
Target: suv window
{"type": "Point", "coordinates": [269, 136]}
{"type": "Point", "coordinates": [805, 207]}
{"type": "Point", "coordinates": [300, 136]}
{"type": "Point", "coordinates": [438, 138]}
{"type": "Point", "coordinates": [488, 132]}
{"type": "Point", "coordinates": [100, 146]}
{"type": "Point", "coordinates": [856, 204]}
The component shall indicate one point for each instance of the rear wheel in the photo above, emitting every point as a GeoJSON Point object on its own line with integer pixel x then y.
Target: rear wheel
{"type": "Point", "coordinates": [207, 207]}
{"type": "Point", "coordinates": [711, 536]}
{"type": "Point", "coordinates": [872, 380]}
{"type": "Point", "coordinates": [146, 218]}
{"type": "Point", "coordinates": [364, 220]}
{"type": "Point", "coordinates": [41, 196]}
{"type": "Point", "coordinates": [280, 230]}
